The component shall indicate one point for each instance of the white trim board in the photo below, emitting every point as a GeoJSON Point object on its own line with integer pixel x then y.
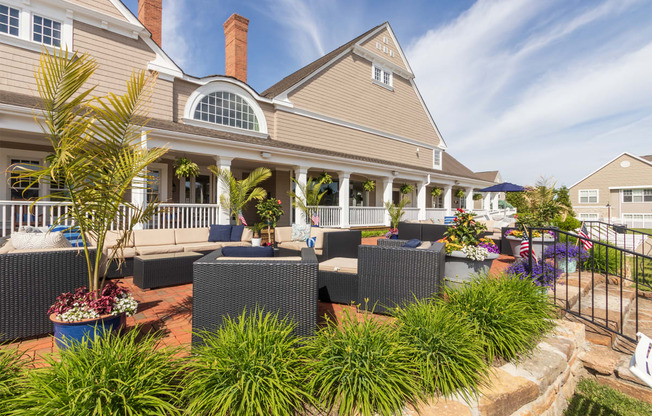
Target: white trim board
{"type": "Point", "coordinates": [631, 187]}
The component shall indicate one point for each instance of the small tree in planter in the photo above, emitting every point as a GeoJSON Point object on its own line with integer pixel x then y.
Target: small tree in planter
{"type": "Point", "coordinates": [396, 212]}
{"type": "Point", "coordinates": [270, 211]}
{"type": "Point", "coordinates": [241, 192]}
{"type": "Point", "coordinates": [309, 197]}
{"type": "Point", "coordinates": [257, 228]}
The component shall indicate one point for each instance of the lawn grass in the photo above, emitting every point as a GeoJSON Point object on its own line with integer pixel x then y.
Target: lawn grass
{"type": "Point", "coordinates": [592, 399]}
{"type": "Point", "coordinates": [644, 230]}
{"type": "Point", "coordinates": [374, 233]}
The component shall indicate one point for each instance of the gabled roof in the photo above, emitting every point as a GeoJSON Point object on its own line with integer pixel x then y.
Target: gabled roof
{"type": "Point", "coordinates": [487, 175]}
{"type": "Point", "coordinates": [645, 159]}
{"type": "Point", "coordinates": [297, 76]}
{"type": "Point", "coordinates": [452, 166]}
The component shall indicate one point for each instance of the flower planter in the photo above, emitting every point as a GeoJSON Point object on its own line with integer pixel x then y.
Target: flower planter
{"type": "Point", "coordinates": [572, 265]}
{"type": "Point", "coordinates": [515, 243]}
{"type": "Point", "coordinates": [255, 242]}
{"type": "Point", "coordinates": [393, 237]}
{"type": "Point", "coordinates": [460, 270]}
{"type": "Point", "coordinates": [76, 331]}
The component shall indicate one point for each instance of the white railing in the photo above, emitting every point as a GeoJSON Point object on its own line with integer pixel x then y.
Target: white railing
{"type": "Point", "coordinates": [185, 216]}
{"type": "Point", "coordinates": [435, 214]}
{"type": "Point", "coordinates": [411, 214]}
{"type": "Point", "coordinates": [328, 216]}
{"type": "Point", "coordinates": [366, 216]}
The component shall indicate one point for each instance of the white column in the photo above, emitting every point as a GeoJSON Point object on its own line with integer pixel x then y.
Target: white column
{"type": "Point", "coordinates": [486, 199]}
{"type": "Point", "coordinates": [448, 199]}
{"type": "Point", "coordinates": [388, 183]}
{"type": "Point", "coordinates": [139, 186]}
{"type": "Point", "coordinates": [469, 199]}
{"type": "Point", "coordinates": [496, 198]}
{"type": "Point", "coordinates": [223, 163]}
{"type": "Point", "coordinates": [421, 200]}
{"type": "Point", "coordinates": [344, 198]}
{"type": "Point", "coordinates": [301, 176]}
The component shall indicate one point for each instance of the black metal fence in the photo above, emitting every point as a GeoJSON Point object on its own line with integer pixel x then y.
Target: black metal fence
{"type": "Point", "coordinates": [619, 235]}
{"type": "Point", "coordinates": [591, 279]}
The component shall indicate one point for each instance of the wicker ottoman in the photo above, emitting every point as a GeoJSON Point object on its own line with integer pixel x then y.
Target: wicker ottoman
{"type": "Point", "coordinates": [338, 280]}
{"type": "Point", "coordinates": [158, 270]}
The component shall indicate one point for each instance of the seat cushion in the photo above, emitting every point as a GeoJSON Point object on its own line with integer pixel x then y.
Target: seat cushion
{"type": "Point", "coordinates": [146, 238]}
{"type": "Point", "coordinates": [248, 251]}
{"type": "Point", "coordinates": [340, 264]}
{"type": "Point", "coordinates": [236, 244]}
{"type": "Point", "coordinates": [247, 235]}
{"type": "Point", "coordinates": [112, 239]}
{"type": "Point", "coordinates": [236, 232]}
{"type": "Point", "coordinates": [36, 241]}
{"type": "Point", "coordinates": [425, 245]}
{"type": "Point", "coordinates": [293, 245]}
{"type": "Point", "coordinates": [127, 252]}
{"type": "Point", "coordinates": [219, 233]}
{"type": "Point", "coordinates": [318, 233]}
{"type": "Point", "coordinates": [190, 235]}
{"type": "Point", "coordinates": [205, 246]}
{"type": "Point", "coordinates": [282, 234]}
{"type": "Point", "coordinates": [162, 249]}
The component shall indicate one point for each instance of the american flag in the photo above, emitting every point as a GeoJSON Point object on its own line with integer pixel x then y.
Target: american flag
{"type": "Point", "coordinates": [584, 233]}
{"type": "Point", "coordinates": [315, 219]}
{"type": "Point", "coordinates": [524, 249]}
{"type": "Point", "coordinates": [242, 220]}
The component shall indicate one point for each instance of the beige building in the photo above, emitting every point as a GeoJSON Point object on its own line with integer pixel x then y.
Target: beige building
{"type": "Point", "coordinates": [617, 192]}
{"type": "Point", "coordinates": [355, 113]}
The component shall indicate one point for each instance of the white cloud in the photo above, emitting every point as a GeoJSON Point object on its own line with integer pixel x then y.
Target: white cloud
{"type": "Point", "coordinates": [536, 88]}
{"type": "Point", "coordinates": [175, 36]}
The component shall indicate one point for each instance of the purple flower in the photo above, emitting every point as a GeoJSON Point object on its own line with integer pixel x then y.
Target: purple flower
{"type": "Point", "coordinates": [561, 252]}
{"type": "Point", "coordinates": [543, 273]}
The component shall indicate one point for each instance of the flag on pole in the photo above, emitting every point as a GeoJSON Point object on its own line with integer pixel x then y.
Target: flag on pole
{"type": "Point", "coordinates": [584, 233]}
{"type": "Point", "coordinates": [242, 220]}
{"type": "Point", "coordinates": [525, 249]}
{"type": "Point", "coordinates": [315, 219]}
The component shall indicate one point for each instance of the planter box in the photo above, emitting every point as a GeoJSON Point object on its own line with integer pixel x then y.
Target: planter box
{"type": "Point", "coordinates": [515, 243]}
{"type": "Point", "coordinates": [460, 270]}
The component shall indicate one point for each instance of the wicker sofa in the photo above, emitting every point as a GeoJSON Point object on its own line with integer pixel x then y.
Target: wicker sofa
{"type": "Point", "coordinates": [329, 242]}
{"type": "Point", "coordinates": [421, 231]}
{"type": "Point", "coordinates": [30, 283]}
{"type": "Point", "coordinates": [226, 286]}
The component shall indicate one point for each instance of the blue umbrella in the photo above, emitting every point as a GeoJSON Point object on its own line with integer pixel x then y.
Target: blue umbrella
{"type": "Point", "coordinates": [503, 187]}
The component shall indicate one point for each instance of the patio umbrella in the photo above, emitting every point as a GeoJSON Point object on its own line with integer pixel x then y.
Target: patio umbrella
{"type": "Point", "coordinates": [503, 187]}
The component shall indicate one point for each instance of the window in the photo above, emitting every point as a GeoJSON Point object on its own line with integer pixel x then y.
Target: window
{"type": "Point", "coordinates": [588, 196]}
{"type": "Point", "coordinates": [46, 31]}
{"type": "Point", "coordinates": [438, 201]}
{"type": "Point", "coordinates": [383, 76]}
{"type": "Point", "coordinates": [227, 109]}
{"type": "Point", "coordinates": [9, 20]}
{"type": "Point", "coordinates": [637, 195]}
{"type": "Point", "coordinates": [588, 216]}
{"type": "Point", "coordinates": [154, 189]}
{"type": "Point", "coordinates": [18, 186]}
{"type": "Point", "coordinates": [436, 158]}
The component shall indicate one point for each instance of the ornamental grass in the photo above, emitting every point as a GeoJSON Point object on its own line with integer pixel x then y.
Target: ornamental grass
{"type": "Point", "coordinates": [12, 367]}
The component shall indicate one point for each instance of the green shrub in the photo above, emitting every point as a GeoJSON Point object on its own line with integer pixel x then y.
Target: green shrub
{"type": "Point", "coordinates": [449, 356]}
{"type": "Point", "coordinates": [569, 224]}
{"type": "Point", "coordinates": [374, 233]}
{"type": "Point", "coordinates": [12, 364]}
{"type": "Point", "coordinates": [511, 314]}
{"type": "Point", "coordinates": [362, 368]}
{"type": "Point", "coordinates": [115, 375]}
{"type": "Point", "coordinates": [604, 260]}
{"type": "Point", "coordinates": [251, 366]}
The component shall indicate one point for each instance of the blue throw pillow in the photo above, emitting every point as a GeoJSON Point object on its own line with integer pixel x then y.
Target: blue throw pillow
{"type": "Point", "coordinates": [236, 232]}
{"type": "Point", "coordinates": [219, 233]}
{"type": "Point", "coordinates": [311, 242]}
{"type": "Point", "coordinates": [414, 243]}
{"type": "Point", "coordinates": [248, 251]}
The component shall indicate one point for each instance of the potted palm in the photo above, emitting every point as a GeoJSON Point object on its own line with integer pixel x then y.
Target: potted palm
{"type": "Point", "coordinates": [98, 157]}
{"type": "Point", "coordinates": [308, 198]}
{"type": "Point", "coordinates": [241, 192]}
{"type": "Point", "coordinates": [396, 212]}
{"type": "Point", "coordinates": [257, 228]}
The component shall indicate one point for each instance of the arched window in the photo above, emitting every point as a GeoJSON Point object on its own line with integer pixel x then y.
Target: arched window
{"type": "Point", "coordinates": [228, 109]}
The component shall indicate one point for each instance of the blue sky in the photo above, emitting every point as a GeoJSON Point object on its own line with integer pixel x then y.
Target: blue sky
{"type": "Point", "coordinates": [554, 88]}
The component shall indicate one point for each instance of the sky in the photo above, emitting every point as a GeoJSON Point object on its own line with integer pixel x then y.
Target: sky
{"type": "Point", "coordinates": [553, 88]}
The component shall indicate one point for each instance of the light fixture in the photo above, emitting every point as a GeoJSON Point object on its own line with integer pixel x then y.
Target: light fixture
{"type": "Point", "coordinates": [265, 155]}
{"type": "Point", "coordinates": [395, 172]}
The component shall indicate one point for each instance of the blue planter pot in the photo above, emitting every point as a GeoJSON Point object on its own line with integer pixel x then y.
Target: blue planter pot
{"type": "Point", "coordinates": [76, 331]}
{"type": "Point", "coordinates": [393, 237]}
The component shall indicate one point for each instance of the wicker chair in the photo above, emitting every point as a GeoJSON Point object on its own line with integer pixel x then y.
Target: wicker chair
{"type": "Point", "coordinates": [390, 275]}
{"type": "Point", "coordinates": [226, 287]}
{"type": "Point", "coordinates": [29, 285]}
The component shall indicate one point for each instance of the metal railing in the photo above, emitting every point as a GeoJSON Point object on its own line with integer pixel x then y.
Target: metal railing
{"type": "Point", "coordinates": [366, 216]}
{"type": "Point", "coordinates": [619, 235]}
{"type": "Point", "coordinates": [613, 279]}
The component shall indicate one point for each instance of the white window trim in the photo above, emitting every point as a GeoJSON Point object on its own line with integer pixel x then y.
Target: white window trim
{"type": "Point", "coordinates": [441, 159]}
{"type": "Point", "coordinates": [642, 201]}
{"type": "Point", "coordinates": [5, 162]}
{"type": "Point", "coordinates": [26, 19]}
{"type": "Point", "coordinates": [579, 196]}
{"type": "Point", "coordinates": [20, 19]}
{"type": "Point", "coordinates": [590, 215]}
{"type": "Point", "coordinates": [163, 179]}
{"type": "Point", "coordinates": [383, 70]}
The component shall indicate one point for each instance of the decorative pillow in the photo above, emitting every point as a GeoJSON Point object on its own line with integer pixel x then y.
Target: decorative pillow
{"type": "Point", "coordinates": [413, 243]}
{"type": "Point", "coordinates": [219, 233]}
{"type": "Point", "coordinates": [248, 251]}
{"type": "Point", "coordinates": [35, 241]}
{"type": "Point", "coordinates": [311, 242]}
{"type": "Point", "coordinates": [30, 229]}
{"type": "Point", "coordinates": [300, 232]}
{"type": "Point", "coordinates": [236, 232]}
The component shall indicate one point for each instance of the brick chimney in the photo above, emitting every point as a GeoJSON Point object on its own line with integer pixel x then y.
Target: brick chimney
{"type": "Point", "coordinates": [150, 14]}
{"type": "Point", "coordinates": [235, 41]}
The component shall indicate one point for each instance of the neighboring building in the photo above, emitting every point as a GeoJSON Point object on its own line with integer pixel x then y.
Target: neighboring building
{"type": "Point", "coordinates": [355, 113]}
{"type": "Point", "coordinates": [619, 191]}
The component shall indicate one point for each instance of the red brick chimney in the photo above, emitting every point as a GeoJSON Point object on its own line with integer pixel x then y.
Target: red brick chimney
{"type": "Point", "coordinates": [150, 14]}
{"type": "Point", "coordinates": [235, 40]}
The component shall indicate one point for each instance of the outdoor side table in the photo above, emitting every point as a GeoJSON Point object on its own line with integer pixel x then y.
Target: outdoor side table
{"type": "Point", "coordinates": [157, 270]}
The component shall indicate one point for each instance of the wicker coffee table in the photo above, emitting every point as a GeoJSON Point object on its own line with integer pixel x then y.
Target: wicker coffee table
{"type": "Point", "coordinates": [157, 270]}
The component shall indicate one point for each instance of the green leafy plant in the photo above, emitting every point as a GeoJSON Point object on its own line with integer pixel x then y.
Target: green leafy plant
{"type": "Point", "coordinates": [257, 228]}
{"type": "Point", "coordinates": [114, 375]}
{"type": "Point", "coordinates": [325, 178]}
{"type": "Point", "coordinates": [98, 154]}
{"type": "Point", "coordinates": [241, 192]}
{"type": "Point", "coordinates": [252, 365]}
{"type": "Point", "coordinates": [465, 230]}
{"type": "Point", "coordinates": [362, 367]}
{"type": "Point", "coordinates": [406, 188]}
{"type": "Point", "coordinates": [396, 211]}
{"type": "Point", "coordinates": [369, 185]}
{"type": "Point", "coordinates": [13, 364]}
{"type": "Point", "coordinates": [544, 205]}
{"type": "Point", "coordinates": [308, 197]}
{"type": "Point", "coordinates": [270, 211]}
{"type": "Point", "coordinates": [604, 260]}
{"type": "Point", "coordinates": [460, 193]}
{"type": "Point", "coordinates": [477, 197]}
{"type": "Point", "coordinates": [450, 359]}
{"type": "Point", "coordinates": [436, 192]}
{"type": "Point", "coordinates": [510, 314]}
{"type": "Point", "coordinates": [593, 399]}
{"type": "Point", "coordinates": [568, 224]}
{"type": "Point", "coordinates": [185, 168]}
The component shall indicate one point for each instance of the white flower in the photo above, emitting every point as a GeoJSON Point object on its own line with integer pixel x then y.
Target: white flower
{"type": "Point", "coordinates": [475, 253]}
{"type": "Point", "coordinates": [125, 304]}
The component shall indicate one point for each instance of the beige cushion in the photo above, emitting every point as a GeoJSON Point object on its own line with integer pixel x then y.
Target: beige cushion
{"type": "Point", "coordinates": [298, 245]}
{"type": "Point", "coordinates": [112, 239]}
{"type": "Point", "coordinates": [207, 246]}
{"type": "Point", "coordinates": [146, 238]}
{"type": "Point", "coordinates": [318, 232]}
{"type": "Point", "coordinates": [161, 249]}
{"type": "Point", "coordinates": [235, 244]}
{"type": "Point", "coordinates": [247, 235]}
{"type": "Point", "coordinates": [282, 234]}
{"type": "Point", "coordinates": [425, 245]}
{"type": "Point", "coordinates": [37, 241]}
{"type": "Point", "coordinates": [190, 235]}
{"type": "Point", "coordinates": [127, 252]}
{"type": "Point", "coordinates": [7, 247]}
{"type": "Point", "coordinates": [290, 258]}
{"type": "Point", "coordinates": [43, 250]}
{"type": "Point", "coordinates": [340, 264]}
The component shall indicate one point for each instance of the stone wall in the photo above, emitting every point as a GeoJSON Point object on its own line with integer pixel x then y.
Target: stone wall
{"type": "Point", "coordinates": [539, 385]}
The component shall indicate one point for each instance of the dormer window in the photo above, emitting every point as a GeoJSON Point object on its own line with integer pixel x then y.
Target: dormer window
{"type": "Point", "coordinates": [382, 76]}
{"type": "Point", "coordinates": [227, 109]}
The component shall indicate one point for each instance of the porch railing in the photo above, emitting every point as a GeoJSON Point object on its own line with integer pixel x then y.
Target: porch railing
{"type": "Point", "coordinates": [185, 216]}
{"type": "Point", "coordinates": [328, 216]}
{"type": "Point", "coordinates": [435, 214]}
{"type": "Point", "coordinates": [366, 216]}
{"type": "Point", "coordinates": [411, 214]}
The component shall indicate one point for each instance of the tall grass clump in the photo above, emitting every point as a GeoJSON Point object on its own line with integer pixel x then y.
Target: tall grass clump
{"type": "Point", "coordinates": [12, 366]}
{"type": "Point", "coordinates": [113, 375]}
{"type": "Point", "coordinates": [362, 367]}
{"type": "Point", "coordinates": [251, 366]}
{"type": "Point", "coordinates": [450, 358]}
{"type": "Point", "coordinates": [510, 314]}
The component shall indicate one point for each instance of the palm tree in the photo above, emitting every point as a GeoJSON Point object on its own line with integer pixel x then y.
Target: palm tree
{"type": "Point", "coordinates": [544, 204]}
{"type": "Point", "coordinates": [241, 192]}
{"type": "Point", "coordinates": [396, 211]}
{"type": "Point", "coordinates": [98, 153]}
{"type": "Point", "coordinates": [309, 197]}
